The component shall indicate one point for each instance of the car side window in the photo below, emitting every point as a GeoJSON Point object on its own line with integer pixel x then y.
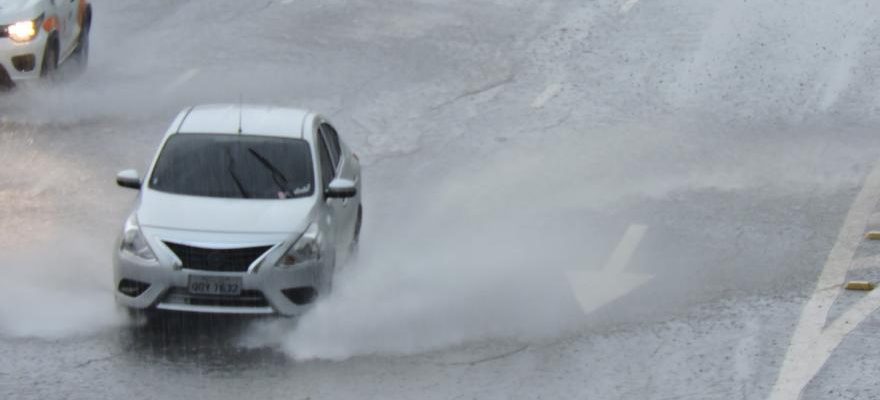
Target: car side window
{"type": "Point", "coordinates": [335, 139]}
{"type": "Point", "coordinates": [327, 168]}
{"type": "Point", "coordinates": [332, 142]}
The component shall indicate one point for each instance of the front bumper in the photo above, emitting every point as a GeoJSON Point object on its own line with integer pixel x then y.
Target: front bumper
{"type": "Point", "coordinates": [262, 290]}
{"type": "Point", "coordinates": [12, 52]}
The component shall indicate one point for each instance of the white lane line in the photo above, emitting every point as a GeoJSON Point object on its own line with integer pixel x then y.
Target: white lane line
{"type": "Point", "coordinates": [286, 2]}
{"type": "Point", "coordinates": [628, 5]}
{"type": "Point", "coordinates": [183, 78]}
{"type": "Point", "coordinates": [811, 345]}
{"type": "Point", "coordinates": [550, 92]}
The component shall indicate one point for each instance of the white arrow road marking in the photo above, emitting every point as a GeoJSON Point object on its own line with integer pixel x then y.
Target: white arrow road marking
{"type": "Point", "coordinates": [812, 343]}
{"type": "Point", "coordinates": [549, 93]}
{"type": "Point", "coordinates": [593, 289]}
{"type": "Point", "coordinates": [627, 5]}
{"type": "Point", "coordinates": [625, 249]}
{"type": "Point", "coordinates": [186, 76]}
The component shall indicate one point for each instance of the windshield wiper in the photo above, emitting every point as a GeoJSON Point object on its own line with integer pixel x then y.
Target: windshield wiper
{"type": "Point", "coordinates": [244, 194]}
{"type": "Point", "coordinates": [277, 176]}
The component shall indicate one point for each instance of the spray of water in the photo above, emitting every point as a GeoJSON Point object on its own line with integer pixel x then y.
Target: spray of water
{"type": "Point", "coordinates": [481, 254]}
{"type": "Point", "coordinates": [57, 291]}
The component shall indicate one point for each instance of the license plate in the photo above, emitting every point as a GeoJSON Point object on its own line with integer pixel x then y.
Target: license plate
{"type": "Point", "coordinates": [215, 285]}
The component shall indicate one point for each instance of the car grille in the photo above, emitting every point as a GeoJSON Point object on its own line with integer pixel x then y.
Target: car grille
{"type": "Point", "coordinates": [247, 298]}
{"type": "Point", "coordinates": [220, 260]}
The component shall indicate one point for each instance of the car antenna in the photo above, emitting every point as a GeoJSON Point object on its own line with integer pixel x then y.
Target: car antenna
{"type": "Point", "coordinates": [240, 101]}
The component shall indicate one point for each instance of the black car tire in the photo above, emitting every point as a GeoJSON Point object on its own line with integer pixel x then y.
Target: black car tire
{"type": "Point", "coordinates": [355, 241]}
{"type": "Point", "coordinates": [82, 48]}
{"type": "Point", "coordinates": [50, 61]}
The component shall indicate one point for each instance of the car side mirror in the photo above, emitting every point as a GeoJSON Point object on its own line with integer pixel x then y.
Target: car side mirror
{"type": "Point", "coordinates": [340, 188]}
{"type": "Point", "coordinates": [129, 179]}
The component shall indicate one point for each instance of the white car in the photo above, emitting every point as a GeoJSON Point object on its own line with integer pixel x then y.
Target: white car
{"type": "Point", "coordinates": [36, 36]}
{"type": "Point", "coordinates": [245, 210]}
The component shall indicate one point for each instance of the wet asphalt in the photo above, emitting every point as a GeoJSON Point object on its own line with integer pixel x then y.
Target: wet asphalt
{"type": "Point", "coordinates": [739, 133]}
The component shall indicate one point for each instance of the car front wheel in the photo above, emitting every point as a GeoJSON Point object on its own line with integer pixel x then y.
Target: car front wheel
{"type": "Point", "coordinates": [81, 53]}
{"type": "Point", "coordinates": [50, 61]}
{"type": "Point", "coordinates": [357, 232]}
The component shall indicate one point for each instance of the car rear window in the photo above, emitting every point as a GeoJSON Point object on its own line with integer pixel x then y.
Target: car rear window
{"type": "Point", "coordinates": [234, 166]}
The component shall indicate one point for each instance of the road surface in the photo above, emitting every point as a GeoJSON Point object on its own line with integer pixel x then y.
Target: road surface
{"type": "Point", "coordinates": [723, 151]}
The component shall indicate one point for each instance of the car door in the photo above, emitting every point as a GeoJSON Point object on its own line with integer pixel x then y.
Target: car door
{"type": "Point", "coordinates": [333, 207]}
{"type": "Point", "coordinates": [347, 210]}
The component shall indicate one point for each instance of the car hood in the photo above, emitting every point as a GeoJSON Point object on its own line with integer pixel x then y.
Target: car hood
{"type": "Point", "coordinates": [206, 214]}
{"type": "Point", "coordinates": [16, 10]}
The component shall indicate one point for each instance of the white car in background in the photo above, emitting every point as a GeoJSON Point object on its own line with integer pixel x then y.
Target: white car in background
{"type": "Point", "coordinates": [245, 210]}
{"type": "Point", "coordinates": [36, 36]}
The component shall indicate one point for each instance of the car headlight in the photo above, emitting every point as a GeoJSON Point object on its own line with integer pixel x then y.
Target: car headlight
{"type": "Point", "coordinates": [133, 241]}
{"type": "Point", "coordinates": [24, 31]}
{"type": "Point", "coordinates": [306, 248]}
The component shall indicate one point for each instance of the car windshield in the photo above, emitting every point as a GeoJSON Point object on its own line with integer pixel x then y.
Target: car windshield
{"type": "Point", "coordinates": [234, 166]}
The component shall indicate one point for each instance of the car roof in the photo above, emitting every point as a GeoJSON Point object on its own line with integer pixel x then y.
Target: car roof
{"type": "Point", "coordinates": [244, 119]}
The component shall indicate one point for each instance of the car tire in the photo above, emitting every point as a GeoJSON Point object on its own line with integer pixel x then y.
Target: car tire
{"type": "Point", "coordinates": [137, 317]}
{"type": "Point", "coordinates": [81, 53]}
{"type": "Point", "coordinates": [327, 286]}
{"type": "Point", "coordinates": [50, 61]}
{"type": "Point", "coordinates": [356, 239]}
